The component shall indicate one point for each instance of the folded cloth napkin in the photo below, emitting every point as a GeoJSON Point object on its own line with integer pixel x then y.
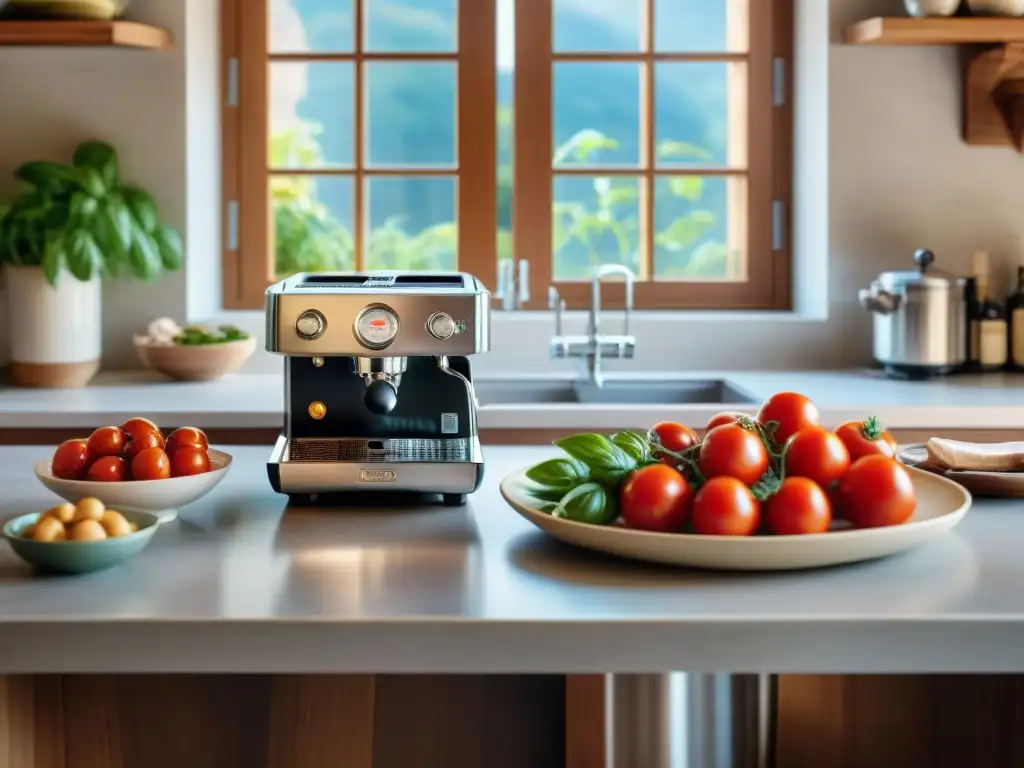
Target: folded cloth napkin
{"type": "Point", "coordinates": [976, 457]}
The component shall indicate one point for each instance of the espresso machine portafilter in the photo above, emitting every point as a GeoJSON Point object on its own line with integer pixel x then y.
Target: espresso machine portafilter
{"type": "Point", "coordinates": [378, 384]}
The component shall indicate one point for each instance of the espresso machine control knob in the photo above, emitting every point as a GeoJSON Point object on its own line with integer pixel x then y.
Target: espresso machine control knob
{"type": "Point", "coordinates": [441, 326]}
{"type": "Point", "coordinates": [310, 325]}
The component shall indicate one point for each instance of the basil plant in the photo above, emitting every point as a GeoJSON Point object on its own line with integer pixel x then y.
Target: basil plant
{"type": "Point", "coordinates": [81, 218]}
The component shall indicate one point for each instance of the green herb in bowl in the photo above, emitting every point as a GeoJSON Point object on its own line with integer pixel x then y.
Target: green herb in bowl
{"type": "Point", "coordinates": [197, 335]}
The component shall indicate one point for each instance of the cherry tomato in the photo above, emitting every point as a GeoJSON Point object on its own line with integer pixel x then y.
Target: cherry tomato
{"type": "Point", "coordinates": [151, 464]}
{"type": "Point", "coordinates": [799, 506]}
{"type": "Point", "coordinates": [675, 437]}
{"type": "Point", "coordinates": [186, 436]}
{"type": "Point", "coordinates": [655, 498]}
{"type": "Point", "coordinates": [733, 451]}
{"type": "Point", "coordinates": [108, 469]}
{"type": "Point", "coordinates": [865, 438]}
{"type": "Point", "coordinates": [791, 412]}
{"type": "Point", "coordinates": [107, 441]}
{"type": "Point", "coordinates": [877, 491]}
{"type": "Point", "coordinates": [724, 506]}
{"type": "Point", "coordinates": [138, 426]}
{"type": "Point", "coordinates": [816, 454]}
{"type": "Point", "coordinates": [146, 440]}
{"type": "Point", "coordinates": [71, 460]}
{"type": "Point", "coordinates": [189, 460]}
{"type": "Point", "coordinates": [725, 417]}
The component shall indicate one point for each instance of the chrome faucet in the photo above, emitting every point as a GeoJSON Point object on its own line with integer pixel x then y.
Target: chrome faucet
{"type": "Point", "coordinates": [595, 346]}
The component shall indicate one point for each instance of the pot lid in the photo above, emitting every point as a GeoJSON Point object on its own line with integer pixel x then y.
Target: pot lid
{"type": "Point", "coordinates": [925, 276]}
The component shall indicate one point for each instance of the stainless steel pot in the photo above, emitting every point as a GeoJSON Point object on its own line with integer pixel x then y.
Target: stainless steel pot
{"type": "Point", "coordinates": [919, 319]}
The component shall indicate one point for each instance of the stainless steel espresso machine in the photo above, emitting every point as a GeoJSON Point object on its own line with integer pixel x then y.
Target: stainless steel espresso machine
{"type": "Point", "coordinates": [378, 386]}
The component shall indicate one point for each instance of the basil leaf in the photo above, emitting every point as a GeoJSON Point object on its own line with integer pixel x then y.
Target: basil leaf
{"type": "Point", "coordinates": [635, 445]}
{"type": "Point", "coordinates": [556, 473]}
{"type": "Point", "coordinates": [53, 258]}
{"type": "Point", "coordinates": [99, 156]}
{"type": "Point", "coordinates": [169, 244]}
{"type": "Point", "coordinates": [608, 462]}
{"type": "Point", "coordinates": [142, 207]}
{"type": "Point", "coordinates": [546, 494]}
{"type": "Point", "coordinates": [587, 503]}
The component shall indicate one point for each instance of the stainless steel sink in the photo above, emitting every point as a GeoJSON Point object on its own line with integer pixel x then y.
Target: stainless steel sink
{"type": "Point", "coordinates": [614, 392]}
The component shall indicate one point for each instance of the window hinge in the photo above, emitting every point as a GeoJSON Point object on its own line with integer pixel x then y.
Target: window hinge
{"type": "Point", "coordinates": [778, 225]}
{"type": "Point", "coordinates": [232, 225]}
{"type": "Point", "coordinates": [779, 81]}
{"type": "Point", "coordinates": [232, 84]}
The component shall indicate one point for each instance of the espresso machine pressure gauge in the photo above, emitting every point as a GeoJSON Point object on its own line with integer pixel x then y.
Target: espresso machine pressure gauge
{"type": "Point", "coordinates": [376, 327]}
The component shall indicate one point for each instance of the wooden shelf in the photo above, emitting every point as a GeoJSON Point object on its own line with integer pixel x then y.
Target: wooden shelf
{"type": "Point", "coordinates": [883, 30]}
{"type": "Point", "coordinates": [128, 34]}
{"type": "Point", "coordinates": [993, 80]}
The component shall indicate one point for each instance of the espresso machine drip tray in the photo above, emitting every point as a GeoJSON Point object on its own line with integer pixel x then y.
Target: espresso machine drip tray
{"type": "Point", "coordinates": [387, 451]}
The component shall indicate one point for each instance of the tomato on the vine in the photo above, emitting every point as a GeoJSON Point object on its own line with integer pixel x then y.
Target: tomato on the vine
{"type": "Point", "coordinates": [791, 412]}
{"type": "Point", "coordinates": [866, 438]}
{"type": "Point", "coordinates": [724, 506]}
{"type": "Point", "coordinates": [877, 491]}
{"type": "Point", "coordinates": [732, 450]}
{"type": "Point", "coordinates": [798, 507]}
{"type": "Point", "coordinates": [816, 454]}
{"type": "Point", "coordinates": [674, 436]}
{"type": "Point", "coordinates": [655, 498]}
{"type": "Point", "coordinates": [723, 418]}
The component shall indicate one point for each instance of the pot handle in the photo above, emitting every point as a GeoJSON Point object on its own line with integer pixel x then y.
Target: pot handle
{"type": "Point", "coordinates": [882, 302]}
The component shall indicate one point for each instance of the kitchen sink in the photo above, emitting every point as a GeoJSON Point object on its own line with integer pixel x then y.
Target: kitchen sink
{"type": "Point", "coordinates": [614, 392]}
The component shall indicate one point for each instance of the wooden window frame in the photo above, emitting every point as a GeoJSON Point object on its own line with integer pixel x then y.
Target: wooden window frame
{"type": "Point", "coordinates": [246, 60]}
{"type": "Point", "coordinates": [768, 151]}
{"type": "Point", "coordinates": [247, 219]}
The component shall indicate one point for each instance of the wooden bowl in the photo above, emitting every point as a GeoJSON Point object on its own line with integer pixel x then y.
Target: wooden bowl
{"type": "Point", "coordinates": [197, 362]}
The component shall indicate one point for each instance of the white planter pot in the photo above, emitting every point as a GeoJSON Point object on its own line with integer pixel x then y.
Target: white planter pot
{"type": "Point", "coordinates": [56, 331]}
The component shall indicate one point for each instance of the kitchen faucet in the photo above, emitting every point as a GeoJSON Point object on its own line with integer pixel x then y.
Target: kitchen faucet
{"type": "Point", "coordinates": [595, 346]}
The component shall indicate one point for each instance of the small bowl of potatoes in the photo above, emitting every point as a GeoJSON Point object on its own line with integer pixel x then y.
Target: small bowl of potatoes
{"type": "Point", "coordinates": [82, 537]}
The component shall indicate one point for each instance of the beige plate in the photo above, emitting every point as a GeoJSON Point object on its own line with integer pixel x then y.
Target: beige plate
{"type": "Point", "coordinates": [941, 504]}
{"type": "Point", "coordinates": [992, 484]}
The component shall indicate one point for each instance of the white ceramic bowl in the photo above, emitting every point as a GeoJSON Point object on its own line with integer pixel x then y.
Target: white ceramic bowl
{"type": "Point", "coordinates": [162, 497]}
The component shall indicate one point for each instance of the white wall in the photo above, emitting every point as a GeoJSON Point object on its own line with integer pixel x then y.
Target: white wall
{"type": "Point", "coordinates": [881, 171]}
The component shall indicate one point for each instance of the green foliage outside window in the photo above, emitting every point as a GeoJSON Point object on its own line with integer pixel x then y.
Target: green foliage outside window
{"type": "Point", "coordinates": [601, 228]}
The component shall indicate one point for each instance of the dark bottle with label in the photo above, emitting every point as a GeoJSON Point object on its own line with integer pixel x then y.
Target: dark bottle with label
{"type": "Point", "coordinates": [1015, 326]}
{"type": "Point", "coordinates": [988, 323]}
{"type": "Point", "coordinates": [972, 362]}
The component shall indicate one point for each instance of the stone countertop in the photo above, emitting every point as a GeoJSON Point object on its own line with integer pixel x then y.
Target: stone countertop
{"type": "Point", "coordinates": [993, 401]}
{"type": "Point", "coordinates": [240, 584]}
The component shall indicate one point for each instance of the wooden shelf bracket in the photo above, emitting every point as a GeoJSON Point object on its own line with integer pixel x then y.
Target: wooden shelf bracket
{"type": "Point", "coordinates": [994, 98]}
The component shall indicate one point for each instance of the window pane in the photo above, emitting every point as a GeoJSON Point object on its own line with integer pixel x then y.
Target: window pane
{"type": "Point", "coordinates": [595, 221]}
{"type": "Point", "coordinates": [700, 114]}
{"type": "Point", "coordinates": [596, 114]}
{"type": "Point", "coordinates": [597, 25]}
{"type": "Point", "coordinates": [410, 25]}
{"type": "Point", "coordinates": [311, 115]}
{"type": "Point", "coordinates": [698, 227]}
{"type": "Point", "coordinates": [410, 114]}
{"type": "Point", "coordinates": [506, 55]}
{"type": "Point", "coordinates": [298, 26]}
{"type": "Point", "coordinates": [411, 222]}
{"type": "Point", "coordinates": [312, 223]}
{"type": "Point", "coordinates": [700, 26]}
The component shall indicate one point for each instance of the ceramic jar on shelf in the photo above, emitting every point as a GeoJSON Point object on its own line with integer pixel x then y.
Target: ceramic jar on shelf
{"type": "Point", "coordinates": [930, 8]}
{"type": "Point", "coordinates": [996, 7]}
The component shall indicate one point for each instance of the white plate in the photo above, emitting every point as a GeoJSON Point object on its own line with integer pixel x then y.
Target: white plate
{"type": "Point", "coordinates": [941, 504]}
{"type": "Point", "coordinates": [163, 497]}
{"type": "Point", "coordinates": [996, 484]}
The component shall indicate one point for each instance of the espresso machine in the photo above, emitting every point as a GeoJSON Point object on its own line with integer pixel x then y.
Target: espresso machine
{"type": "Point", "coordinates": [378, 387]}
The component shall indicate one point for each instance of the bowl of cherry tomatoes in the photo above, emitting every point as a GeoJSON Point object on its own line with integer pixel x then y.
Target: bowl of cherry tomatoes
{"type": "Point", "coordinates": [775, 490]}
{"type": "Point", "coordinates": [135, 466]}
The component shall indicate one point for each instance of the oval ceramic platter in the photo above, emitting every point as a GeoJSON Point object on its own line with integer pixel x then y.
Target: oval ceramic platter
{"type": "Point", "coordinates": [992, 484]}
{"type": "Point", "coordinates": [941, 504]}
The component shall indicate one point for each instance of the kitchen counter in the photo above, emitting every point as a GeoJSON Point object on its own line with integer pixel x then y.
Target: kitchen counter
{"type": "Point", "coordinates": [239, 584]}
{"type": "Point", "coordinates": [256, 401]}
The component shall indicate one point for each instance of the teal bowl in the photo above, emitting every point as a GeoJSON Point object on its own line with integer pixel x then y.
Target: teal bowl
{"type": "Point", "coordinates": [80, 556]}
